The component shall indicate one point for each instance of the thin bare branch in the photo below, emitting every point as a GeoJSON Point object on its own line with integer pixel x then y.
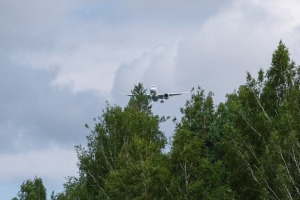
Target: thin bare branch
{"type": "Point", "coordinates": [262, 108]}
{"type": "Point", "coordinates": [98, 184]}
{"type": "Point", "coordinates": [248, 123]}
{"type": "Point", "coordinates": [270, 188]}
{"type": "Point", "coordinates": [247, 163]}
{"type": "Point", "coordinates": [287, 170]}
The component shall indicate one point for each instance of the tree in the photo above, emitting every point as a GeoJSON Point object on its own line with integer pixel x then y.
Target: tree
{"type": "Point", "coordinates": [32, 190]}
{"type": "Point", "coordinates": [74, 189]}
{"type": "Point", "coordinates": [120, 144]}
{"type": "Point", "coordinates": [245, 148]}
{"type": "Point", "coordinates": [195, 160]}
{"type": "Point", "coordinates": [142, 172]}
{"type": "Point", "coordinates": [280, 79]}
{"type": "Point", "coordinates": [261, 126]}
{"type": "Point", "coordinates": [139, 100]}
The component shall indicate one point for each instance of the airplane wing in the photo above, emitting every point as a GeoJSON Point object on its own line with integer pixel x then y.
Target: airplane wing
{"type": "Point", "coordinates": [166, 95]}
{"type": "Point", "coordinates": [175, 94]}
{"type": "Point", "coordinates": [162, 97]}
{"type": "Point", "coordinates": [130, 95]}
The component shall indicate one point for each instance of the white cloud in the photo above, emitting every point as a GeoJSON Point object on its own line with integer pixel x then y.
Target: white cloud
{"type": "Point", "coordinates": [53, 165]}
{"type": "Point", "coordinates": [89, 41]}
{"type": "Point", "coordinates": [154, 67]}
{"type": "Point", "coordinates": [216, 55]}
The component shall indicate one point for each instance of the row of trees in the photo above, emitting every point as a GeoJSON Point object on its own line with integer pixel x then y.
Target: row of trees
{"type": "Point", "coordinates": [245, 148]}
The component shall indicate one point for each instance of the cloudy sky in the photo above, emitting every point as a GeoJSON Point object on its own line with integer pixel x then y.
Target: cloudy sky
{"type": "Point", "coordinates": [61, 60]}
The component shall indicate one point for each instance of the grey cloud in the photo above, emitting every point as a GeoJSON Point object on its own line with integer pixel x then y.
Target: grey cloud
{"type": "Point", "coordinates": [112, 45]}
{"type": "Point", "coordinates": [29, 24]}
{"type": "Point", "coordinates": [36, 114]}
{"type": "Point", "coordinates": [101, 34]}
{"type": "Point", "coordinates": [179, 10]}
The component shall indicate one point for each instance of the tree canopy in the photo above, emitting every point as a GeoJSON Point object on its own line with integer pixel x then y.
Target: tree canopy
{"type": "Point", "coordinates": [32, 190]}
{"type": "Point", "coordinates": [244, 148]}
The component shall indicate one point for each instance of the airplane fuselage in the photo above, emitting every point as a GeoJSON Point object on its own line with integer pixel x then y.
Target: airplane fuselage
{"type": "Point", "coordinates": [153, 90]}
{"type": "Point", "coordinates": [153, 93]}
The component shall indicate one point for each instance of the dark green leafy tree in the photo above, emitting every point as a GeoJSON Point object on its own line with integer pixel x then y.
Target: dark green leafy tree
{"type": "Point", "coordinates": [32, 190]}
{"type": "Point", "coordinates": [280, 79]}
{"type": "Point", "coordinates": [74, 189]}
{"type": "Point", "coordinates": [261, 124]}
{"type": "Point", "coordinates": [139, 100]}
{"type": "Point", "coordinates": [124, 142]}
{"type": "Point", "coordinates": [195, 160]}
{"type": "Point", "coordinates": [142, 172]}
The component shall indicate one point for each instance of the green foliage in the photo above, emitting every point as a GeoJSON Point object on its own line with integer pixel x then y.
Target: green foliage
{"type": "Point", "coordinates": [281, 78]}
{"type": "Point", "coordinates": [139, 100]}
{"type": "Point", "coordinates": [74, 190]}
{"type": "Point", "coordinates": [32, 190]}
{"type": "Point", "coordinates": [245, 148]}
{"type": "Point", "coordinates": [141, 172]}
{"type": "Point", "coordinates": [262, 133]}
{"type": "Point", "coordinates": [195, 160]}
{"type": "Point", "coordinates": [122, 139]}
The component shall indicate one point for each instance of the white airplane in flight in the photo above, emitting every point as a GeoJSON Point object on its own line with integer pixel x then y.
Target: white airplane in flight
{"type": "Point", "coordinates": [154, 95]}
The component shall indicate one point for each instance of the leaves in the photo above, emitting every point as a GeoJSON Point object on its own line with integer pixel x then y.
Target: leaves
{"type": "Point", "coordinates": [32, 190]}
{"type": "Point", "coordinates": [262, 133]}
{"type": "Point", "coordinates": [245, 148]}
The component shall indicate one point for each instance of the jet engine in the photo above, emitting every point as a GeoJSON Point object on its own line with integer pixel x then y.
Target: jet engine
{"type": "Point", "coordinates": [166, 96]}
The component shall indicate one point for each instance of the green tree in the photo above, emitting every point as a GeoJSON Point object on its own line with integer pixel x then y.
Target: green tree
{"type": "Point", "coordinates": [142, 172]}
{"type": "Point", "coordinates": [139, 100]}
{"type": "Point", "coordinates": [261, 125]}
{"type": "Point", "coordinates": [74, 189]}
{"type": "Point", "coordinates": [280, 79]}
{"type": "Point", "coordinates": [122, 141]}
{"type": "Point", "coordinates": [245, 148]}
{"type": "Point", "coordinates": [32, 190]}
{"type": "Point", "coordinates": [195, 159]}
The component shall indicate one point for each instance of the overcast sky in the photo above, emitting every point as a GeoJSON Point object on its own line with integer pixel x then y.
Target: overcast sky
{"type": "Point", "coordinates": [61, 60]}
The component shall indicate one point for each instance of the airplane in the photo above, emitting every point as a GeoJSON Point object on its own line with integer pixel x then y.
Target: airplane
{"type": "Point", "coordinates": [154, 95]}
